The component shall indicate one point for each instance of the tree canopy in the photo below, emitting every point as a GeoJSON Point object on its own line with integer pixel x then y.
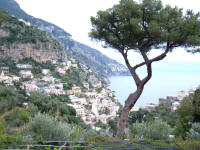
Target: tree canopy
{"type": "Point", "coordinates": [146, 26]}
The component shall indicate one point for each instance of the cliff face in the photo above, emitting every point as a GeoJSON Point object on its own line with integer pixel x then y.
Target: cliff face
{"type": "Point", "coordinates": [20, 51]}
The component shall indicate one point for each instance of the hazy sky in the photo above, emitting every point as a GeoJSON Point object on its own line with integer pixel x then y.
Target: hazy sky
{"type": "Point", "coordinates": [74, 17]}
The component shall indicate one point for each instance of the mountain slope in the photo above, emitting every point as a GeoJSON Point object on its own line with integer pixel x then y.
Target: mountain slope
{"type": "Point", "coordinates": [82, 52]}
{"type": "Point", "coordinates": [18, 40]}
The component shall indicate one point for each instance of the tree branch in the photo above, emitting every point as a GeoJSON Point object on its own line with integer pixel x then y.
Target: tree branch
{"type": "Point", "coordinates": [149, 62]}
{"type": "Point", "coordinates": [149, 69]}
{"type": "Point", "coordinates": [163, 55]}
{"type": "Point", "coordinates": [160, 57]}
{"type": "Point", "coordinates": [132, 71]}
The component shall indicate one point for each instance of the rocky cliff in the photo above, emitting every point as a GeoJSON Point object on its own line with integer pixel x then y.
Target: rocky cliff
{"type": "Point", "coordinates": [21, 51]}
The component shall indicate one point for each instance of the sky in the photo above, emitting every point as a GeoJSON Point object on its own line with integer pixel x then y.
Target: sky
{"type": "Point", "coordinates": [74, 17]}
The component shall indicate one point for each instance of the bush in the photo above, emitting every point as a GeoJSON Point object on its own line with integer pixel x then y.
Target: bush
{"type": "Point", "coordinates": [32, 109]}
{"type": "Point", "coordinates": [50, 128]}
{"type": "Point", "coordinates": [100, 124]}
{"type": "Point", "coordinates": [2, 127]}
{"type": "Point", "coordinates": [67, 110]}
{"type": "Point", "coordinates": [9, 98]}
{"type": "Point", "coordinates": [154, 130]}
{"type": "Point", "coordinates": [17, 118]}
{"type": "Point", "coordinates": [10, 141]}
{"type": "Point", "coordinates": [112, 124]}
{"type": "Point", "coordinates": [194, 132]}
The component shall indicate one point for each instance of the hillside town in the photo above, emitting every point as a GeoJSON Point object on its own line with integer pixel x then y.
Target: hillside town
{"type": "Point", "coordinates": [93, 102]}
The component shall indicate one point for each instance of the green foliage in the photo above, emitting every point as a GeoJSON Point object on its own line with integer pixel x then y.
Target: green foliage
{"type": "Point", "coordinates": [144, 26]}
{"type": "Point", "coordinates": [165, 113]}
{"type": "Point", "coordinates": [10, 141]}
{"type": "Point", "coordinates": [188, 113]}
{"type": "Point", "coordinates": [32, 109]}
{"type": "Point", "coordinates": [8, 62]}
{"type": "Point", "coordinates": [2, 127]}
{"type": "Point", "coordinates": [67, 110]}
{"type": "Point", "coordinates": [153, 130]}
{"type": "Point", "coordinates": [55, 106]}
{"type": "Point", "coordinates": [4, 16]}
{"type": "Point", "coordinates": [100, 124]}
{"type": "Point", "coordinates": [138, 116]}
{"type": "Point", "coordinates": [9, 98]}
{"type": "Point", "coordinates": [49, 128]}
{"type": "Point", "coordinates": [37, 66]}
{"type": "Point", "coordinates": [186, 117]}
{"type": "Point", "coordinates": [99, 89]}
{"type": "Point", "coordinates": [44, 103]}
{"type": "Point", "coordinates": [194, 132]}
{"type": "Point", "coordinates": [74, 76]}
{"type": "Point", "coordinates": [74, 120]}
{"type": "Point", "coordinates": [175, 143]}
{"type": "Point", "coordinates": [17, 118]}
{"type": "Point", "coordinates": [61, 98]}
{"type": "Point", "coordinates": [196, 105]}
{"type": "Point", "coordinates": [187, 144]}
{"type": "Point", "coordinates": [112, 123]}
{"type": "Point", "coordinates": [162, 112]}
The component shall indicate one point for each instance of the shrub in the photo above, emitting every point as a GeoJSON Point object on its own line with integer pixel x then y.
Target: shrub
{"type": "Point", "coordinates": [100, 124]}
{"type": "Point", "coordinates": [153, 130]}
{"type": "Point", "coordinates": [112, 124]}
{"type": "Point", "coordinates": [10, 141]}
{"type": "Point", "coordinates": [17, 118]}
{"type": "Point", "coordinates": [32, 109]}
{"type": "Point", "coordinates": [194, 132]}
{"type": "Point", "coordinates": [9, 98]}
{"type": "Point", "coordinates": [2, 127]}
{"type": "Point", "coordinates": [50, 128]}
{"type": "Point", "coordinates": [90, 133]}
{"type": "Point", "coordinates": [67, 110]}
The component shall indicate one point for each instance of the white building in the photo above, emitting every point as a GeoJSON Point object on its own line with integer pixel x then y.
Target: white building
{"type": "Point", "coordinates": [26, 74]}
{"type": "Point", "coordinates": [24, 66]}
{"type": "Point", "coordinates": [49, 79]}
{"type": "Point", "coordinates": [61, 71]}
{"type": "Point", "coordinates": [45, 71]}
{"type": "Point", "coordinates": [175, 106]}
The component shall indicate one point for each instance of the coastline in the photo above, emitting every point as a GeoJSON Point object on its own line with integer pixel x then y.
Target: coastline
{"type": "Point", "coordinates": [155, 89]}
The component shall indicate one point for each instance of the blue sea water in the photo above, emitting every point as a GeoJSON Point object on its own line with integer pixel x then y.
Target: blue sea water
{"type": "Point", "coordinates": [167, 80]}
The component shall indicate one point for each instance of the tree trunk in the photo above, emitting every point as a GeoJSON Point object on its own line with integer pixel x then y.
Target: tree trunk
{"type": "Point", "coordinates": [129, 103]}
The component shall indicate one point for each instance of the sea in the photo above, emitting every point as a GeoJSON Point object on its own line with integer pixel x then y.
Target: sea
{"type": "Point", "coordinates": [167, 80]}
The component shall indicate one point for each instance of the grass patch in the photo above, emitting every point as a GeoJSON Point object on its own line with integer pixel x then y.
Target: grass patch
{"type": "Point", "coordinates": [176, 143]}
{"type": "Point", "coordinates": [187, 144]}
{"type": "Point", "coordinates": [160, 143]}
